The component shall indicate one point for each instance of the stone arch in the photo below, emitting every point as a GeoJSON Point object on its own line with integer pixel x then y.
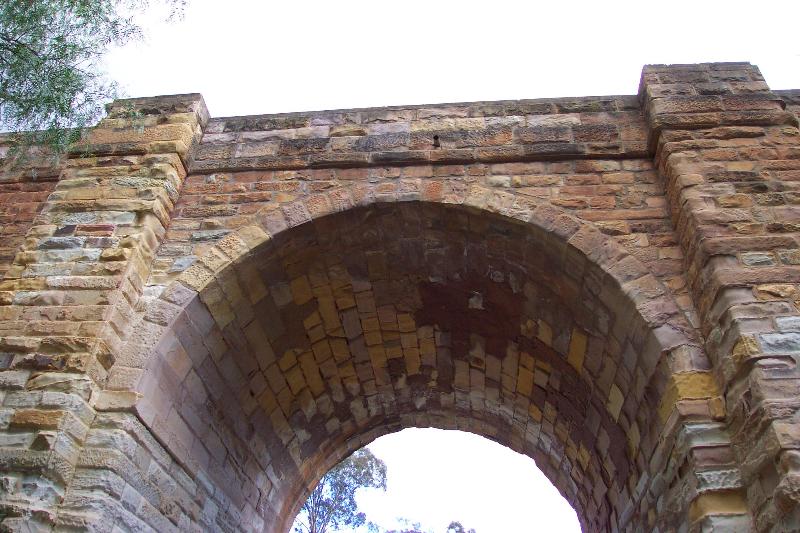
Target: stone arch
{"type": "Point", "coordinates": [583, 350]}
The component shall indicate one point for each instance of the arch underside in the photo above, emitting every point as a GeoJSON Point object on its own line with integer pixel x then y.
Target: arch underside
{"type": "Point", "coordinates": [410, 314]}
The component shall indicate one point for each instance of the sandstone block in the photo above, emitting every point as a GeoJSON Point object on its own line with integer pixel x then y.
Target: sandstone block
{"type": "Point", "coordinates": [37, 419]}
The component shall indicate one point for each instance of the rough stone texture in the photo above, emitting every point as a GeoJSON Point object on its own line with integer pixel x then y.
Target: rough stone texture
{"type": "Point", "coordinates": [23, 191]}
{"type": "Point", "coordinates": [199, 317]}
{"type": "Point", "coordinates": [728, 149]}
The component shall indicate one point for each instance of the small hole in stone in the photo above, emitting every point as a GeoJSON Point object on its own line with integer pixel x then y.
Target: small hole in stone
{"type": "Point", "coordinates": [436, 141]}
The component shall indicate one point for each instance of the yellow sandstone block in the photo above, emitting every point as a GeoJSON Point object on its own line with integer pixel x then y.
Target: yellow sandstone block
{"type": "Point", "coordinates": [724, 502]}
{"type": "Point", "coordinates": [615, 401]}
{"type": "Point", "coordinates": [316, 333]}
{"type": "Point", "coordinates": [541, 377]}
{"type": "Point", "coordinates": [378, 356]}
{"type": "Point", "coordinates": [217, 305]}
{"type": "Point", "coordinates": [371, 338]}
{"type": "Point", "coordinates": [550, 412]}
{"type": "Point", "coordinates": [561, 432]}
{"type": "Point", "coordinates": [267, 400]}
{"type": "Point", "coordinates": [408, 340]}
{"type": "Point", "coordinates": [717, 407]}
{"type": "Point", "coordinates": [345, 301]}
{"type": "Point", "coordinates": [162, 133]}
{"type": "Point", "coordinates": [427, 346]}
{"type": "Point", "coordinates": [583, 456]}
{"type": "Point", "coordinates": [525, 381]}
{"type": "Point", "coordinates": [577, 349]}
{"type": "Point", "coordinates": [295, 379]}
{"type": "Point", "coordinates": [528, 328]}
{"type": "Point", "coordinates": [24, 284]}
{"type": "Point", "coordinates": [413, 361]}
{"type": "Point", "coordinates": [322, 351]}
{"type": "Point", "coordinates": [37, 419]}
{"type": "Point", "coordinates": [406, 323]}
{"type": "Point", "coordinates": [687, 386]}
{"type": "Point", "coordinates": [744, 348]}
{"type": "Point", "coordinates": [394, 352]}
{"type": "Point", "coordinates": [773, 291]}
{"type": "Point", "coordinates": [214, 260]}
{"type": "Point", "coordinates": [311, 373]}
{"type": "Point", "coordinates": [312, 320]}
{"type": "Point", "coordinates": [330, 316]}
{"type": "Point", "coordinates": [341, 351]}
{"type": "Point", "coordinates": [232, 246]}
{"type": "Point", "coordinates": [634, 438]}
{"type": "Point", "coordinates": [545, 333]}
{"type": "Point", "coordinates": [370, 324]}
{"type": "Point", "coordinates": [461, 378]}
{"type": "Point", "coordinates": [287, 360]}
{"type": "Point", "coordinates": [114, 254]}
{"type": "Point", "coordinates": [301, 290]}
{"type": "Point", "coordinates": [693, 385]}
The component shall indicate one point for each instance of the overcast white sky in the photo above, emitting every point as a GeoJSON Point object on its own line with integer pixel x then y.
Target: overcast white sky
{"type": "Point", "coordinates": [435, 477]}
{"type": "Point", "coordinates": [253, 57]}
{"type": "Point", "coordinates": [258, 56]}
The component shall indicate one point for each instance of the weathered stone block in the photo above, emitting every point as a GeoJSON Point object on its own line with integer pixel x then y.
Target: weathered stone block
{"type": "Point", "coordinates": [788, 342]}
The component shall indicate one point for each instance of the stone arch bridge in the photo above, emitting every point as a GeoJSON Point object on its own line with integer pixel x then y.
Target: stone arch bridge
{"type": "Point", "coordinates": [200, 316]}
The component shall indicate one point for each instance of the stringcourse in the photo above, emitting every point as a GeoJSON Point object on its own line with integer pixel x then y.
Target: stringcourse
{"type": "Point", "coordinates": [200, 316]}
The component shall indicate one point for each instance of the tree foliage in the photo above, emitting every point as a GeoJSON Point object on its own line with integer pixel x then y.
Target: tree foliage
{"type": "Point", "coordinates": [415, 527]}
{"type": "Point", "coordinates": [51, 82]}
{"type": "Point", "coordinates": [456, 527]}
{"type": "Point", "coordinates": [332, 504]}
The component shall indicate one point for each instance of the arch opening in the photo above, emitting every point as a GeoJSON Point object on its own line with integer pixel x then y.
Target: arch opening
{"type": "Point", "coordinates": [411, 314]}
{"type": "Point", "coordinates": [435, 477]}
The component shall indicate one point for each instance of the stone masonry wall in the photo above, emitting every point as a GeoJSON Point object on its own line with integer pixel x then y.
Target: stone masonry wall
{"type": "Point", "coordinates": [23, 191]}
{"type": "Point", "coordinates": [199, 317]}
{"type": "Point", "coordinates": [728, 149]}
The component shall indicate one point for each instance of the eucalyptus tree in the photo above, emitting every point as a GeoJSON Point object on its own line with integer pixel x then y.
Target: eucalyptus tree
{"type": "Point", "coordinates": [332, 504]}
{"type": "Point", "coordinates": [51, 81]}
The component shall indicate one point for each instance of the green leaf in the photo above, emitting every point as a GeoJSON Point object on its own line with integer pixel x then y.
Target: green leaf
{"type": "Point", "coordinates": [332, 504]}
{"type": "Point", "coordinates": [51, 85]}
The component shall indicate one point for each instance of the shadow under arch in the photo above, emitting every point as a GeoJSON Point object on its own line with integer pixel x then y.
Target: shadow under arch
{"type": "Point", "coordinates": [295, 341]}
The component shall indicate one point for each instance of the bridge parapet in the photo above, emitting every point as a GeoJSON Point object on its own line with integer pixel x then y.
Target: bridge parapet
{"type": "Point", "coordinates": [477, 132]}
